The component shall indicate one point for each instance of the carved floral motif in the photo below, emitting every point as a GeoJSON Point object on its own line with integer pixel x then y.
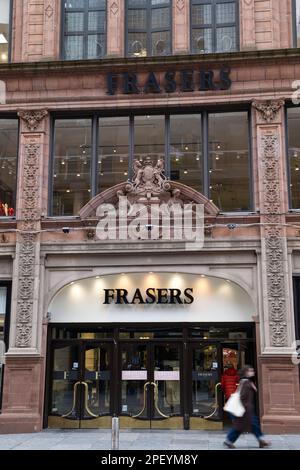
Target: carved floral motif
{"type": "Point", "coordinates": [32, 119]}
{"type": "Point", "coordinates": [268, 109]}
{"type": "Point", "coordinates": [274, 242]}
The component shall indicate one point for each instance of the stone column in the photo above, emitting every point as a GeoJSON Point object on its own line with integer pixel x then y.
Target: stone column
{"type": "Point", "coordinates": [273, 205]}
{"type": "Point", "coordinates": [181, 26]}
{"type": "Point", "coordinates": [247, 25]}
{"type": "Point", "coordinates": [115, 28]}
{"type": "Point", "coordinates": [24, 370]}
{"type": "Point", "coordinates": [280, 398]}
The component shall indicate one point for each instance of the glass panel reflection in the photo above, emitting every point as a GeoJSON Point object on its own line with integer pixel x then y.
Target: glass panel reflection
{"type": "Point", "coordinates": [229, 161]}
{"type": "Point", "coordinates": [167, 381]}
{"type": "Point", "coordinates": [113, 151]}
{"type": "Point", "coordinates": [294, 155]}
{"type": "Point", "coordinates": [4, 29]}
{"type": "Point", "coordinates": [65, 397]}
{"type": "Point", "coordinates": [149, 137]}
{"type": "Point", "coordinates": [134, 377]}
{"type": "Point", "coordinates": [97, 378]}
{"type": "Point", "coordinates": [8, 165]}
{"type": "Point", "coordinates": [186, 149]}
{"type": "Point", "coordinates": [72, 166]}
{"type": "Point", "coordinates": [204, 380]}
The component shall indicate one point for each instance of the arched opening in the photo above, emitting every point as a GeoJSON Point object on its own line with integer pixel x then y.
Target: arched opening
{"type": "Point", "coordinates": [149, 347]}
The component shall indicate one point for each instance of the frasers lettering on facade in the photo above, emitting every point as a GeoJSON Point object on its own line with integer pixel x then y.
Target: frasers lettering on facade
{"type": "Point", "coordinates": [183, 80]}
{"type": "Point", "coordinates": [150, 296]}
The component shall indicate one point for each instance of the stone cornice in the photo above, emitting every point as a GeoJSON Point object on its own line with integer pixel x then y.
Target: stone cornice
{"type": "Point", "coordinates": [217, 60]}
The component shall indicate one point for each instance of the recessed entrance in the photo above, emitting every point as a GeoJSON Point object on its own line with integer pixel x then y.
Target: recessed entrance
{"type": "Point", "coordinates": [158, 377]}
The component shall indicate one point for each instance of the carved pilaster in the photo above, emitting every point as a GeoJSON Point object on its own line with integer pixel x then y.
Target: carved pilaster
{"type": "Point", "coordinates": [181, 30]}
{"type": "Point", "coordinates": [275, 282]}
{"type": "Point", "coordinates": [115, 28]}
{"type": "Point", "coordinates": [247, 25]}
{"type": "Point", "coordinates": [26, 265]}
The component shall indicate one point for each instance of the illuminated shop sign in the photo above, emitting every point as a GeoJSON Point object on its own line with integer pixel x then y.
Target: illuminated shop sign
{"type": "Point", "coordinates": [184, 80]}
{"type": "Point", "coordinates": [150, 296]}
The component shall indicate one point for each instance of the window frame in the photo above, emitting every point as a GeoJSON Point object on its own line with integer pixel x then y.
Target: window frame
{"type": "Point", "coordinates": [294, 24]}
{"type": "Point", "coordinates": [85, 33]}
{"type": "Point", "coordinates": [149, 8]}
{"type": "Point", "coordinates": [214, 25]}
{"type": "Point", "coordinates": [205, 112]}
{"type": "Point", "coordinates": [288, 106]}
{"type": "Point", "coordinates": [15, 117]}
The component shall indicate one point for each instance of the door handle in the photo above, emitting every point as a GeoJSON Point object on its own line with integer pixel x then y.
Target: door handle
{"type": "Point", "coordinates": [156, 401]}
{"type": "Point", "coordinates": [146, 384]}
{"type": "Point", "coordinates": [86, 398]}
{"type": "Point", "coordinates": [74, 400]}
{"type": "Point", "coordinates": [216, 402]}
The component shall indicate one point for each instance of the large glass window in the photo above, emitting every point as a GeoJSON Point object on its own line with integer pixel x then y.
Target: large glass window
{"type": "Point", "coordinates": [148, 27]}
{"type": "Point", "coordinates": [72, 166]}
{"type": "Point", "coordinates": [186, 150]}
{"type": "Point", "coordinates": [149, 137]}
{"type": "Point", "coordinates": [84, 29]}
{"type": "Point", "coordinates": [294, 155]}
{"type": "Point", "coordinates": [229, 161]}
{"type": "Point", "coordinates": [8, 166]}
{"type": "Point", "coordinates": [206, 151]}
{"type": "Point", "coordinates": [296, 14]}
{"type": "Point", "coordinates": [214, 26]}
{"type": "Point", "coordinates": [113, 151]}
{"type": "Point", "coordinates": [4, 29]}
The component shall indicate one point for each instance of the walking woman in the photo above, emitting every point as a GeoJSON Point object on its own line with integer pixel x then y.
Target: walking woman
{"type": "Point", "coordinates": [249, 421]}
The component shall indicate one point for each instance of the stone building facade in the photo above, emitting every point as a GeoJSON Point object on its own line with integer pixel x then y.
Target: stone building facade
{"type": "Point", "coordinates": [257, 250]}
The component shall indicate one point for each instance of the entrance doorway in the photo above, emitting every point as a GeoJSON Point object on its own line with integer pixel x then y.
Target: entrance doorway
{"type": "Point", "coordinates": [151, 385]}
{"type": "Point", "coordinates": [80, 389]}
{"type": "Point", "coordinates": [156, 377]}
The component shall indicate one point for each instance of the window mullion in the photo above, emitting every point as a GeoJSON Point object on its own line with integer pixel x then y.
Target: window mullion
{"type": "Point", "coordinates": [94, 155]}
{"type": "Point", "coordinates": [205, 153]}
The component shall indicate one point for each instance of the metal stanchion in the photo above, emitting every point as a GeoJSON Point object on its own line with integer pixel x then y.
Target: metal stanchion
{"type": "Point", "coordinates": [115, 430]}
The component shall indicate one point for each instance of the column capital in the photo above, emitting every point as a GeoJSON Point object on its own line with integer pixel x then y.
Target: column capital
{"type": "Point", "coordinates": [32, 118]}
{"type": "Point", "coordinates": [268, 109]}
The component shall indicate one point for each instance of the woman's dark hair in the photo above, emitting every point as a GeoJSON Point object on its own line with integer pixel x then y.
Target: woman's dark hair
{"type": "Point", "coordinates": [244, 370]}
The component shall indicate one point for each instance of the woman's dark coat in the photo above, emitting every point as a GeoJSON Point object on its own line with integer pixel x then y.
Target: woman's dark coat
{"type": "Point", "coordinates": [244, 424]}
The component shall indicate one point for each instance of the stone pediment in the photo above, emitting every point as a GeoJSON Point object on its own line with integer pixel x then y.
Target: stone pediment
{"type": "Point", "coordinates": [149, 186]}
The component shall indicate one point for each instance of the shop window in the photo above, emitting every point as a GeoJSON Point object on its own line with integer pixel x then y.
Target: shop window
{"type": "Point", "coordinates": [5, 292]}
{"type": "Point", "coordinates": [148, 27]}
{"type": "Point", "coordinates": [84, 30]}
{"type": "Point", "coordinates": [113, 150]}
{"type": "Point", "coordinates": [214, 26]}
{"type": "Point", "coordinates": [72, 166]}
{"type": "Point", "coordinates": [8, 166]}
{"type": "Point", "coordinates": [149, 137]}
{"type": "Point", "coordinates": [296, 21]}
{"type": "Point", "coordinates": [208, 152]}
{"type": "Point", "coordinates": [5, 10]}
{"type": "Point", "coordinates": [293, 115]}
{"type": "Point", "coordinates": [228, 142]}
{"type": "Point", "coordinates": [186, 150]}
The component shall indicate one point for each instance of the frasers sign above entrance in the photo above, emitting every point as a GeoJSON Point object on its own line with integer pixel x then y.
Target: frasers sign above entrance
{"type": "Point", "coordinates": [171, 81]}
{"type": "Point", "coordinates": [151, 297]}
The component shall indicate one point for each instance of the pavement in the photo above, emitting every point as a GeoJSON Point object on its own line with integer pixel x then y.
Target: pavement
{"type": "Point", "coordinates": [138, 440]}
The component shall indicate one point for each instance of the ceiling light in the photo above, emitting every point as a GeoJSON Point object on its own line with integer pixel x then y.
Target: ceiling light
{"type": "Point", "coordinates": [3, 39]}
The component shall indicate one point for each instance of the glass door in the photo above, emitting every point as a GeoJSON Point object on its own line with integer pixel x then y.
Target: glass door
{"type": "Point", "coordinates": [206, 396]}
{"type": "Point", "coordinates": [80, 385]}
{"type": "Point", "coordinates": [150, 395]}
{"type": "Point", "coordinates": [65, 392]}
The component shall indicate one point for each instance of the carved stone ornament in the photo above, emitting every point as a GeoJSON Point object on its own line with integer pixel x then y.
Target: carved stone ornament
{"type": "Point", "coordinates": [148, 180]}
{"type": "Point", "coordinates": [28, 241]}
{"type": "Point", "coordinates": [274, 240]}
{"type": "Point", "coordinates": [32, 119]}
{"type": "Point", "coordinates": [268, 109]}
{"type": "Point", "coordinates": [114, 8]}
{"type": "Point", "coordinates": [180, 4]}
